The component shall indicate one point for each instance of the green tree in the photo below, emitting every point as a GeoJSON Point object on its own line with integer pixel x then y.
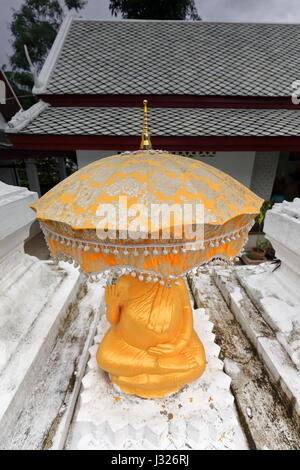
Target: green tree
{"type": "Point", "coordinates": [155, 9]}
{"type": "Point", "coordinates": [35, 25]}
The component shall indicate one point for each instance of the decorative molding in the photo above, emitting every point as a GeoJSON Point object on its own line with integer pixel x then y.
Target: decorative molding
{"type": "Point", "coordinates": [33, 68]}
{"type": "Point", "coordinates": [23, 118]}
{"type": "Point", "coordinates": [48, 67]}
{"type": "Point", "coordinates": [193, 154]}
{"type": "Point", "coordinates": [188, 154]}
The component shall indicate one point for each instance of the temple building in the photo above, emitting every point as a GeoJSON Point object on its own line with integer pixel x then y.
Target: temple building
{"type": "Point", "coordinates": [218, 92]}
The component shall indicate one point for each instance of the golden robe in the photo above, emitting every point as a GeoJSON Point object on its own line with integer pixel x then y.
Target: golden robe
{"type": "Point", "coordinates": [151, 350]}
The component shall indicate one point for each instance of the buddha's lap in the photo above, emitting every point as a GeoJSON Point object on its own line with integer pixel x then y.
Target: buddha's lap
{"type": "Point", "coordinates": [120, 358]}
{"type": "Point", "coordinates": [158, 381]}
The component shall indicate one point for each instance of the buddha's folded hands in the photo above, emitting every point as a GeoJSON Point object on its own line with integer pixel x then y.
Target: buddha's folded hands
{"type": "Point", "coordinates": [163, 349]}
{"type": "Point", "coordinates": [170, 348]}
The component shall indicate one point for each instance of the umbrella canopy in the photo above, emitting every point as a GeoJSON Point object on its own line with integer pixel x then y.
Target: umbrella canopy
{"type": "Point", "coordinates": [69, 214]}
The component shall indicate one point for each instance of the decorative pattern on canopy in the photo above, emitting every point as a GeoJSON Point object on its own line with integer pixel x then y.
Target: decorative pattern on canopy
{"type": "Point", "coordinates": [68, 213]}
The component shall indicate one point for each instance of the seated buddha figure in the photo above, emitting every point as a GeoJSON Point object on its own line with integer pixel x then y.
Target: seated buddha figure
{"type": "Point", "coordinates": [151, 349]}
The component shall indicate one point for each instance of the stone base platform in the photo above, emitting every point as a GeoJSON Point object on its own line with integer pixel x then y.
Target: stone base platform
{"type": "Point", "coordinates": [201, 416]}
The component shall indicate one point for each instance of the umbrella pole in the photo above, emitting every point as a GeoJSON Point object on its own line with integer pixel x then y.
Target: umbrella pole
{"type": "Point", "coordinates": [151, 349]}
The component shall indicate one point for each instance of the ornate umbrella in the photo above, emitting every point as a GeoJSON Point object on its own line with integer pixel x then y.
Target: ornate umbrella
{"type": "Point", "coordinates": [102, 217]}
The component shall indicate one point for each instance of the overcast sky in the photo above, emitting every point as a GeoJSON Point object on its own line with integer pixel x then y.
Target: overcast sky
{"type": "Point", "coordinates": [270, 11]}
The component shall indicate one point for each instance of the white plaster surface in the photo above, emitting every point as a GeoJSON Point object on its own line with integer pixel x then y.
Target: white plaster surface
{"type": "Point", "coordinates": [276, 292]}
{"type": "Point", "coordinates": [16, 216]}
{"type": "Point", "coordinates": [278, 308]}
{"type": "Point", "coordinates": [282, 228]}
{"type": "Point", "coordinates": [92, 302]}
{"type": "Point", "coordinates": [34, 297]}
{"type": "Point", "coordinates": [201, 416]}
{"type": "Point", "coordinates": [85, 157]}
{"type": "Point", "coordinates": [268, 327]}
{"type": "Point", "coordinates": [239, 165]}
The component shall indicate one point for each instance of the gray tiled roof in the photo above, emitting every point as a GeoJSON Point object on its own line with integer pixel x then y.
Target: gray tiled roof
{"type": "Point", "coordinates": [166, 122]}
{"type": "Point", "coordinates": [152, 57]}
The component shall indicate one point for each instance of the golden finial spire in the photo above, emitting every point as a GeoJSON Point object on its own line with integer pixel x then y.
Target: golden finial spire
{"type": "Point", "coordinates": [145, 141]}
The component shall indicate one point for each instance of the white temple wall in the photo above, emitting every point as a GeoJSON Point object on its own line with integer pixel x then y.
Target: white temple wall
{"type": "Point", "coordinates": [239, 165]}
{"type": "Point", "coordinates": [264, 173]}
{"type": "Point", "coordinates": [85, 157]}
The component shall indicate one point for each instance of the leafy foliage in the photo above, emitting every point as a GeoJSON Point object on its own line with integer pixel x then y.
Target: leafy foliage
{"type": "Point", "coordinates": [47, 171]}
{"type": "Point", "coordinates": [155, 9]}
{"type": "Point", "coordinates": [22, 83]}
{"type": "Point", "coordinates": [262, 214]}
{"type": "Point", "coordinates": [35, 25]}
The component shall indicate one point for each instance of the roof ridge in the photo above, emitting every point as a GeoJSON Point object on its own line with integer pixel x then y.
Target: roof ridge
{"type": "Point", "coordinates": [51, 60]}
{"type": "Point", "coordinates": [24, 117]}
{"type": "Point", "coordinates": [105, 20]}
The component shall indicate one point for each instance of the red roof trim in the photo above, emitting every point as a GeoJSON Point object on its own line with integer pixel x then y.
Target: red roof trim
{"type": "Point", "coordinates": [92, 142]}
{"type": "Point", "coordinates": [171, 101]}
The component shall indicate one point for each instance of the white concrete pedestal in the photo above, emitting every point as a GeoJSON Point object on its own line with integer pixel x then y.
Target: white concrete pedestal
{"type": "Point", "coordinates": [201, 416]}
{"type": "Point", "coordinates": [282, 228]}
{"type": "Point", "coordinates": [276, 292]}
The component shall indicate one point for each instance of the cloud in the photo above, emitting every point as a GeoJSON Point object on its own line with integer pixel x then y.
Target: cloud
{"type": "Point", "coordinates": [260, 11]}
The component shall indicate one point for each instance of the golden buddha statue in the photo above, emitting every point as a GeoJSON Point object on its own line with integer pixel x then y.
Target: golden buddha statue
{"type": "Point", "coordinates": [151, 350]}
